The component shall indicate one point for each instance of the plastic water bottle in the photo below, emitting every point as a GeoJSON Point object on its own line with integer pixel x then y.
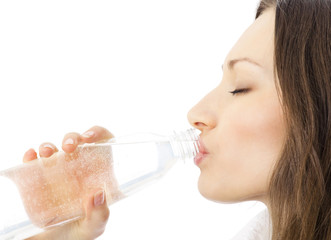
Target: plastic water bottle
{"type": "Point", "coordinates": [48, 192]}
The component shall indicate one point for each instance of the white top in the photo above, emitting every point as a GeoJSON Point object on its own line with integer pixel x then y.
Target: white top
{"type": "Point", "coordinates": [259, 228]}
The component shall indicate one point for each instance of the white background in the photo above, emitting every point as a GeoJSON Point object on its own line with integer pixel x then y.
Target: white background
{"type": "Point", "coordinates": [130, 66]}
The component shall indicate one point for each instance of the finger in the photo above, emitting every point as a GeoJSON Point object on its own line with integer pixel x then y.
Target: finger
{"type": "Point", "coordinates": [47, 149]}
{"type": "Point", "coordinates": [96, 134]}
{"type": "Point", "coordinates": [29, 155]}
{"type": "Point", "coordinates": [97, 214]}
{"type": "Point", "coordinates": [70, 142]}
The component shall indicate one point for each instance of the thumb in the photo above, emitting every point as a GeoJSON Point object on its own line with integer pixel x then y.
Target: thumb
{"type": "Point", "coordinates": [96, 217]}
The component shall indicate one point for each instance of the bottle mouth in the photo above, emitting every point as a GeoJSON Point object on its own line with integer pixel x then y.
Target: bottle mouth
{"type": "Point", "coordinates": [185, 144]}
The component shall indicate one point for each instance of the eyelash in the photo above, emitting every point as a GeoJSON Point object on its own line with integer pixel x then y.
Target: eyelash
{"type": "Point", "coordinates": [244, 90]}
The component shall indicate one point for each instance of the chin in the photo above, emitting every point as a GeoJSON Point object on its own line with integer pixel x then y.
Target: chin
{"type": "Point", "coordinates": [214, 193]}
{"type": "Point", "coordinates": [219, 193]}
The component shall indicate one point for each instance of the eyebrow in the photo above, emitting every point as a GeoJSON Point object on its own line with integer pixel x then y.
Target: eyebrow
{"type": "Point", "coordinates": [233, 62]}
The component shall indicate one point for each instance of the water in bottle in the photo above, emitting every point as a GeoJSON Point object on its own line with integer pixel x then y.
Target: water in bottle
{"type": "Point", "coordinates": [48, 192]}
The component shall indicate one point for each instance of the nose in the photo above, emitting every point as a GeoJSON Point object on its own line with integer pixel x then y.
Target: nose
{"type": "Point", "coordinates": [203, 116]}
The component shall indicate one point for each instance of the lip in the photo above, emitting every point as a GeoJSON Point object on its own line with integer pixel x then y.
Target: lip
{"type": "Point", "coordinates": [201, 154]}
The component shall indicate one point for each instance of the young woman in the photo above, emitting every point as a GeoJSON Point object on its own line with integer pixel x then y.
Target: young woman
{"type": "Point", "coordinates": [266, 129]}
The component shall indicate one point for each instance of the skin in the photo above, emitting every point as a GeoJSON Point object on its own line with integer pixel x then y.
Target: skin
{"type": "Point", "coordinates": [243, 133]}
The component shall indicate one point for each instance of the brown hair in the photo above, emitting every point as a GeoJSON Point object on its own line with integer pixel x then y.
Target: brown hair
{"type": "Point", "coordinates": [300, 186]}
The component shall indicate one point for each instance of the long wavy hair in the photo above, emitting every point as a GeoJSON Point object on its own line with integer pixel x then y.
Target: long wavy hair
{"type": "Point", "coordinates": [300, 186]}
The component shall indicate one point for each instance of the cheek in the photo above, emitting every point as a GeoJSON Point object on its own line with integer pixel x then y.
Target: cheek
{"type": "Point", "coordinates": [249, 141]}
{"type": "Point", "coordinates": [256, 128]}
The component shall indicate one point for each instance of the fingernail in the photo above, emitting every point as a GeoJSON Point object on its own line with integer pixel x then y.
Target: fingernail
{"type": "Point", "coordinates": [88, 134]}
{"type": "Point", "coordinates": [99, 198]}
{"type": "Point", "coordinates": [48, 146]}
{"type": "Point", "coordinates": [69, 141]}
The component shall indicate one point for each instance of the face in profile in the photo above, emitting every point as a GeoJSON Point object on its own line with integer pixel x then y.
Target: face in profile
{"type": "Point", "coordinates": [241, 120]}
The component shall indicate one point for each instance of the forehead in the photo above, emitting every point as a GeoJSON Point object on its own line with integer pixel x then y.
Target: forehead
{"type": "Point", "coordinates": [257, 42]}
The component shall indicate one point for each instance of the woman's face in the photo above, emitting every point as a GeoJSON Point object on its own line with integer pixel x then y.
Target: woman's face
{"type": "Point", "coordinates": [243, 133]}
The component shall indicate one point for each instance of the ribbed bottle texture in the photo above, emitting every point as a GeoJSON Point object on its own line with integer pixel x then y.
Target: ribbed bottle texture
{"type": "Point", "coordinates": [185, 144]}
{"type": "Point", "coordinates": [50, 191]}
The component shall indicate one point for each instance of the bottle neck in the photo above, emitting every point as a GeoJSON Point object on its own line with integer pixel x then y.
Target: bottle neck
{"type": "Point", "coordinates": [185, 145]}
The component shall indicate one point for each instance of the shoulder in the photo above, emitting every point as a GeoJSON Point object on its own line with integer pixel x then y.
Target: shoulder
{"type": "Point", "coordinates": [259, 228]}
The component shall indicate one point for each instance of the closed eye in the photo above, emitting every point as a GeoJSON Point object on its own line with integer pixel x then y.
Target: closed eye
{"type": "Point", "coordinates": [244, 90]}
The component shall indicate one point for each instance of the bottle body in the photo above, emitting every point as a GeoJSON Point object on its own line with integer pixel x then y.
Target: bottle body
{"type": "Point", "coordinates": [49, 192]}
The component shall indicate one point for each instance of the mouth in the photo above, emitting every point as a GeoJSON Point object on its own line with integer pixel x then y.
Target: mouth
{"type": "Point", "coordinates": [198, 159]}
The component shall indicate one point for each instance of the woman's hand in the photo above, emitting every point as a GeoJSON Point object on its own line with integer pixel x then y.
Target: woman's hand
{"type": "Point", "coordinates": [96, 209]}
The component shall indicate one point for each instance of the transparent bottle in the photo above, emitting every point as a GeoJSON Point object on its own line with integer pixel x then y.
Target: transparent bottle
{"type": "Point", "coordinates": [48, 192]}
